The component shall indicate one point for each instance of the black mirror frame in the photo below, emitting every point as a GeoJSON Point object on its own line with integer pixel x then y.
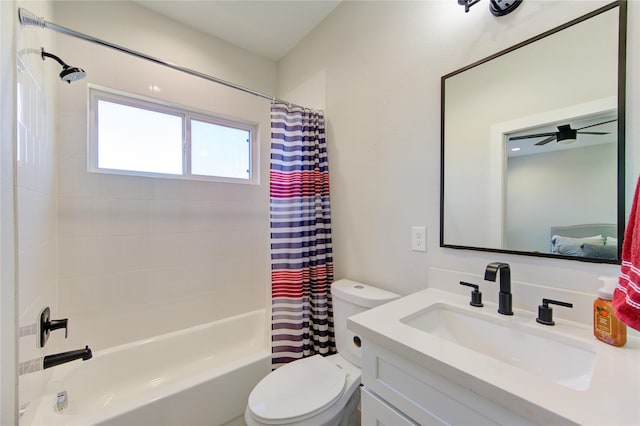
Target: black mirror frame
{"type": "Point", "coordinates": [622, 65]}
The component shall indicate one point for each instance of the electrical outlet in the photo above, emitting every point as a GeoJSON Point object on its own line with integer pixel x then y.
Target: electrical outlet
{"type": "Point", "coordinates": [418, 238]}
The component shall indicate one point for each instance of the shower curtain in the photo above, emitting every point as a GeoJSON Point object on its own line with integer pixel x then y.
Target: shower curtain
{"type": "Point", "coordinates": [300, 224]}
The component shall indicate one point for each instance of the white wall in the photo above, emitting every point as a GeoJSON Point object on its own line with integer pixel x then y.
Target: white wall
{"type": "Point", "coordinates": [8, 286]}
{"type": "Point", "coordinates": [141, 256]}
{"type": "Point", "coordinates": [382, 63]}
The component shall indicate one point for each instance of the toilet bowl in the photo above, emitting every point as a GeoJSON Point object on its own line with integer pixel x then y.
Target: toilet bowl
{"type": "Point", "coordinates": [319, 391]}
{"type": "Point", "coordinates": [312, 391]}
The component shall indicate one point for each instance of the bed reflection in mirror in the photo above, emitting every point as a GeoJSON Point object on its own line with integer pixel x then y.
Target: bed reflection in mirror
{"type": "Point", "coordinates": [563, 174]}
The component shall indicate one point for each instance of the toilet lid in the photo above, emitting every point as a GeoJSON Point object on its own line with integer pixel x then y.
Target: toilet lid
{"type": "Point", "coordinates": [297, 390]}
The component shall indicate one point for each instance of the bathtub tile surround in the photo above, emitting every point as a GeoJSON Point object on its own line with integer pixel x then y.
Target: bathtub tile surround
{"type": "Point", "coordinates": [28, 330]}
{"type": "Point", "coordinates": [9, 323]}
{"type": "Point", "coordinates": [143, 256]}
{"type": "Point", "coordinates": [127, 258]}
{"type": "Point", "coordinates": [36, 193]}
{"type": "Point", "coordinates": [196, 376]}
{"type": "Point", "coordinates": [30, 366]}
{"type": "Point", "coordinates": [149, 244]}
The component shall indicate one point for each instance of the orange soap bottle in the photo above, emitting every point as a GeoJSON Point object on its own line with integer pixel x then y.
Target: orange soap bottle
{"type": "Point", "coordinates": [606, 325]}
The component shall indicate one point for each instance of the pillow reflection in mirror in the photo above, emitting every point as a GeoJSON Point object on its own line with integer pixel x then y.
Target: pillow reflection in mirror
{"type": "Point", "coordinates": [569, 249]}
{"type": "Point", "coordinates": [558, 240]}
{"type": "Point", "coordinates": [611, 241]}
{"type": "Point", "coordinates": [600, 251]}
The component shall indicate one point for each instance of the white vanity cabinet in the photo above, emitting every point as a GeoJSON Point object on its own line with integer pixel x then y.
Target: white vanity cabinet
{"type": "Point", "coordinates": [375, 411]}
{"type": "Point", "coordinates": [430, 358]}
{"type": "Point", "coordinates": [400, 392]}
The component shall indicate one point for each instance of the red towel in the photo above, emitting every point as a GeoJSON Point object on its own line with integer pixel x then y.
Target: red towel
{"type": "Point", "coordinates": [626, 297]}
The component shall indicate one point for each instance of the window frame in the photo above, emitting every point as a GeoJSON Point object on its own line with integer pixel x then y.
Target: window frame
{"type": "Point", "coordinates": [99, 93]}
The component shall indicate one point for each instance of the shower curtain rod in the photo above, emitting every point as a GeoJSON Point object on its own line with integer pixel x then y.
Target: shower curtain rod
{"type": "Point", "coordinates": [28, 18]}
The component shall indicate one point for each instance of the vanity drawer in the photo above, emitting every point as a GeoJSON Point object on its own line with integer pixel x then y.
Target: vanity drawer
{"type": "Point", "coordinates": [377, 412]}
{"type": "Point", "coordinates": [426, 397]}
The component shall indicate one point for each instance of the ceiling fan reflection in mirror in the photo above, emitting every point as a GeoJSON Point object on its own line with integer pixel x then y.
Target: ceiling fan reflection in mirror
{"type": "Point", "coordinates": [564, 134]}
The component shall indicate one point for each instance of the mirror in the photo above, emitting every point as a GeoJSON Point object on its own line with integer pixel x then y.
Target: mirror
{"type": "Point", "coordinates": [559, 99]}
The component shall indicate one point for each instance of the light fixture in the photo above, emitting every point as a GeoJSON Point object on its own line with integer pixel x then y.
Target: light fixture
{"type": "Point", "coordinates": [467, 4]}
{"type": "Point", "coordinates": [566, 134]}
{"type": "Point", "coordinates": [497, 7]}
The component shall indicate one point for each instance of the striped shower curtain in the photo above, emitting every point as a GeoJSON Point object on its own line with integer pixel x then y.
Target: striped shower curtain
{"type": "Point", "coordinates": [301, 256]}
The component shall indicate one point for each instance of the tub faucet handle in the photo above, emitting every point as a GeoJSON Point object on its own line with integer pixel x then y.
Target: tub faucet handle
{"type": "Point", "coordinates": [61, 323]}
{"type": "Point", "coordinates": [47, 325]}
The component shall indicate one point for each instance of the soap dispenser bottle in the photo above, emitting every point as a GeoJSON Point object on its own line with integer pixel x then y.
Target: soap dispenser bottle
{"type": "Point", "coordinates": [606, 325]}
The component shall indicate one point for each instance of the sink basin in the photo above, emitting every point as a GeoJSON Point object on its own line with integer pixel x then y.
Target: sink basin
{"type": "Point", "coordinates": [567, 362]}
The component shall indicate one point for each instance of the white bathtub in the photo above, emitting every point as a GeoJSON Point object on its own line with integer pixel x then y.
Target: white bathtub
{"type": "Point", "coordinates": [198, 376]}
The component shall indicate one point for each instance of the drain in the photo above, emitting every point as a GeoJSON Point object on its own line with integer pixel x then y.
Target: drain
{"type": "Point", "coordinates": [62, 401]}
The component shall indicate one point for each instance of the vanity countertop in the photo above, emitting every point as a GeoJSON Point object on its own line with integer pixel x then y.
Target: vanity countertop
{"type": "Point", "coordinates": [611, 398]}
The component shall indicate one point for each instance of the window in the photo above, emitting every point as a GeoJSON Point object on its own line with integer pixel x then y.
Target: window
{"type": "Point", "coordinates": [141, 136]}
{"type": "Point", "coordinates": [218, 150]}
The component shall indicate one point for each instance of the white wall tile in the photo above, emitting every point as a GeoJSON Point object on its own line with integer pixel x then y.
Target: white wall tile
{"type": "Point", "coordinates": [132, 245]}
{"type": "Point", "coordinates": [36, 200]}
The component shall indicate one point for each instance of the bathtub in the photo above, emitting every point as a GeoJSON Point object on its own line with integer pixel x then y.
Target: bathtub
{"type": "Point", "coordinates": [199, 376]}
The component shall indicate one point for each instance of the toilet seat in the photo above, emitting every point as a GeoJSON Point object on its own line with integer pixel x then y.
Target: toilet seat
{"type": "Point", "coordinates": [297, 391]}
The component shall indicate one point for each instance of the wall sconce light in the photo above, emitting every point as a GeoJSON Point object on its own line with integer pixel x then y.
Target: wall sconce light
{"type": "Point", "coordinates": [497, 7]}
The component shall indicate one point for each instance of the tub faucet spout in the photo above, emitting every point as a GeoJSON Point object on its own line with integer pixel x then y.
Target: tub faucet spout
{"type": "Point", "coordinates": [64, 357]}
{"type": "Point", "coordinates": [504, 296]}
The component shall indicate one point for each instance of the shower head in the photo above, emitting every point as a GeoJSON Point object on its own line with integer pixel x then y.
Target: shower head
{"type": "Point", "coordinates": [68, 73]}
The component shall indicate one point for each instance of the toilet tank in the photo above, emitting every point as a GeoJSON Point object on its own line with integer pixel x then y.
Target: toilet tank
{"type": "Point", "coordinates": [350, 298]}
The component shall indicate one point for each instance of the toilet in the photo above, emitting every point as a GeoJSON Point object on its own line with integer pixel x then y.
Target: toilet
{"type": "Point", "coordinates": [319, 390]}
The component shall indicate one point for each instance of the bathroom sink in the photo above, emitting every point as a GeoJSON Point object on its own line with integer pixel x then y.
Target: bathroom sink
{"type": "Point", "coordinates": [567, 362]}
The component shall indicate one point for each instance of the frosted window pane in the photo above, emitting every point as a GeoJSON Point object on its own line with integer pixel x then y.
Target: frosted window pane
{"type": "Point", "coordinates": [138, 139]}
{"type": "Point", "coordinates": [219, 150]}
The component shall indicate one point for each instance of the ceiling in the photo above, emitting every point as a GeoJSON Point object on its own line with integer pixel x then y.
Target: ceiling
{"type": "Point", "coordinates": [264, 27]}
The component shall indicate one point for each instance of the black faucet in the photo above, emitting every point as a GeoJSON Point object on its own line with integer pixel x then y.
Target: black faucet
{"type": "Point", "coordinates": [64, 357]}
{"type": "Point", "coordinates": [504, 297]}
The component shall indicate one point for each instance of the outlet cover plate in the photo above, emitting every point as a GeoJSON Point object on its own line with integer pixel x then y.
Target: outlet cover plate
{"type": "Point", "coordinates": [418, 238]}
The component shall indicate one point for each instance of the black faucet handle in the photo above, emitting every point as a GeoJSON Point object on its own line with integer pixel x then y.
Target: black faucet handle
{"type": "Point", "coordinates": [47, 325]}
{"type": "Point", "coordinates": [476, 294]}
{"type": "Point", "coordinates": [61, 323]}
{"type": "Point", "coordinates": [545, 313]}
